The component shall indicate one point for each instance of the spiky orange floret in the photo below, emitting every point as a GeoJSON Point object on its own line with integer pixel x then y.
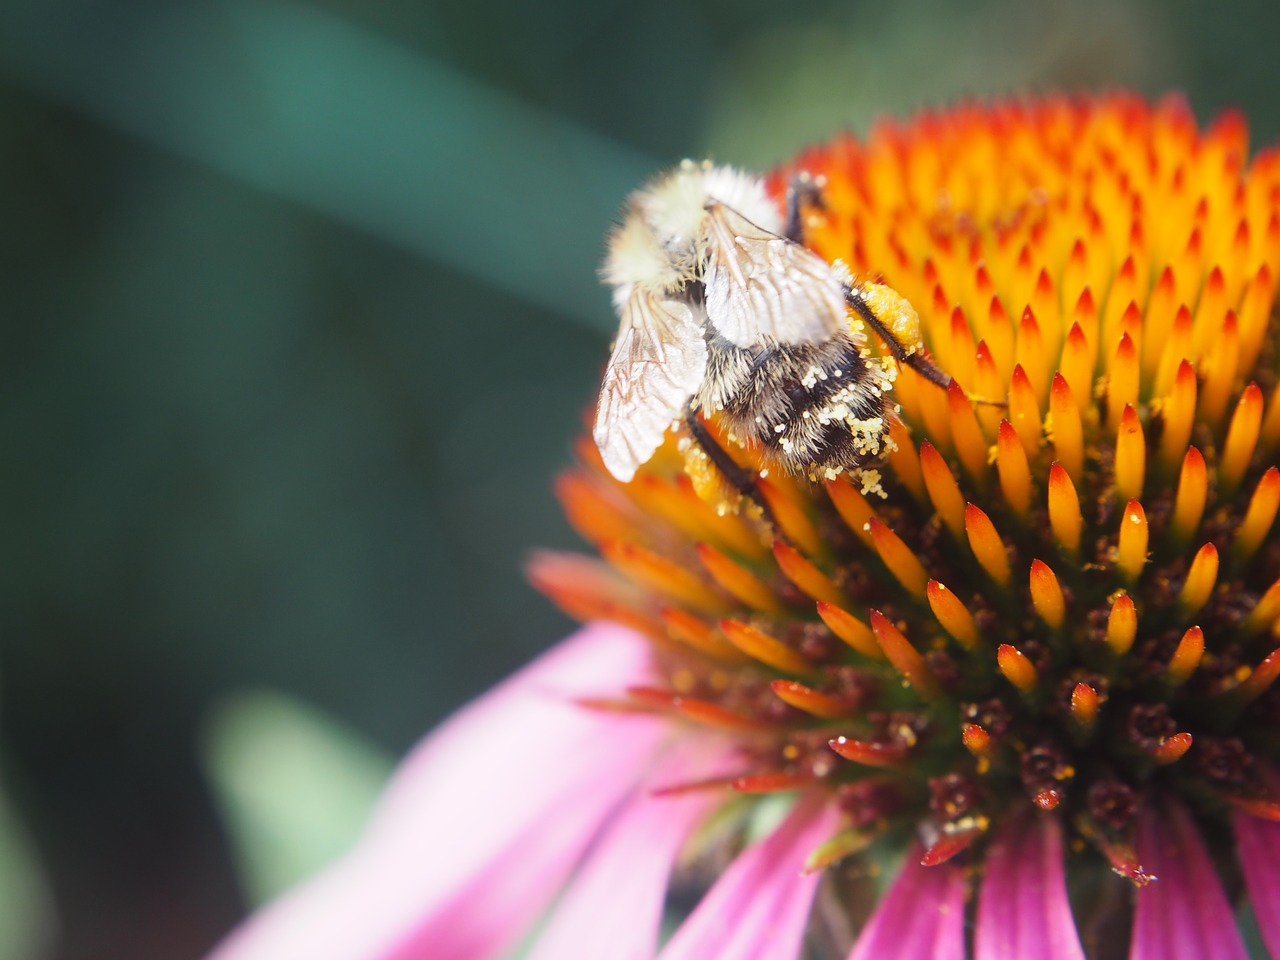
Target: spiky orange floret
{"type": "Point", "coordinates": [1070, 593]}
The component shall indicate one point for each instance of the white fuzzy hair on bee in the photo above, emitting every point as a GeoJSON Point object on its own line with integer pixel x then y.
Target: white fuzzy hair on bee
{"type": "Point", "coordinates": [722, 313]}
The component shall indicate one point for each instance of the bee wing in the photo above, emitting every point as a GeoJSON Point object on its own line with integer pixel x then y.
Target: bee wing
{"type": "Point", "coordinates": [762, 285]}
{"type": "Point", "coordinates": [658, 363]}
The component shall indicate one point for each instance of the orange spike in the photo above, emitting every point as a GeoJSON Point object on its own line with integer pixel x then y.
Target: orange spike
{"type": "Point", "coordinates": [850, 629]}
{"type": "Point", "coordinates": [988, 384]}
{"type": "Point", "coordinates": [791, 518]}
{"type": "Point", "coordinates": [1017, 669]}
{"type": "Point", "coordinates": [741, 583]}
{"type": "Point", "coordinates": [1084, 706]}
{"type": "Point", "coordinates": [1131, 455]}
{"type": "Point", "coordinates": [727, 530]}
{"type": "Point", "coordinates": [1076, 364]}
{"type": "Point", "coordinates": [1024, 412]}
{"type": "Point", "coordinates": [1263, 676]}
{"type": "Point", "coordinates": [1122, 385]}
{"type": "Point", "coordinates": [1175, 349]}
{"type": "Point", "coordinates": [1122, 624]}
{"type": "Point", "coordinates": [951, 844]}
{"type": "Point", "coordinates": [905, 657]}
{"type": "Point", "coordinates": [999, 337]}
{"type": "Point", "coordinates": [986, 544]}
{"type": "Point", "coordinates": [1201, 578]}
{"type": "Point", "coordinates": [1030, 353]}
{"type": "Point", "coordinates": [1188, 504]}
{"type": "Point", "coordinates": [662, 575]}
{"type": "Point", "coordinates": [1014, 471]}
{"type": "Point", "coordinates": [1210, 310]}
{"type": "Point", "coordinates": [1064, 509]}
{"type": "Point", "coordinates": [897, 556]}
{"type": "Point", "coordinates": [943, 489]}
{"type": "Point", "coordinates": [1255, 316]}
{"type": "Point", "coordinates": [775, 781]}
{"type": "Point", "coordinates": [804, 574]}
{"type": "Point", "coordinates": [953, 615]}
{"type": "Point", "coordinates": [811, 701]}
{"type": "Point", "coordinates": [1242, 438]}
{"type": "Point", "coordinates": [852, 506]}
{"type": "Point", "coordinates": [1178, 412]}
{"type": "Point", "coordinates": [1045, 308]}
{"type": "Point", "coordinates": [685, 628]}
{"type": "Point", "coordinates": [885, 756]}
{"type": "Point", "coordinates": [1271, 420]}
{"type": "Point", "coordinates": [1046, 594]}
{"type": "Point", "coordinates": [960, 361]}
{"type": "Point", "coordinates": [976, 740]}
{"type": "Point", "coordinates": [758, 645]}
{"type": "Point", "coordinates": [1068, 432]}
{"type": "Point", "coordinates": [1219, 373]}
{"type": "Point", "coordinates": [1171, 749]}
{"type": "Point", "coordinates": [966, 435]}
{"type": "Point", "coordinates": [903, 459]}
{"type": "Point", "coordinates": [699, 711]}
{"type": "Point", "coordinates": [1186, 657]}
{"type": "Point", "coordinates": [1259, 517]}
{"type": "Point", "coordinates": [1131, 551]}
{"type": "Point", "coordinates": [1264, 613]}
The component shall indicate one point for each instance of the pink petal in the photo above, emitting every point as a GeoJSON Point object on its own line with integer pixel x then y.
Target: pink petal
{"type": "Point", "coordinates": [759, 908]}
{"type": "Point", "coordinates": [482, 823]}
{"type": "Point", "coordinates": [1183, 914]}
{"type": "Point", "coordinates": [1023, 909]}
{"type": "Point", "coordinates": [920, 917]}
{"type": "Point", "coordinates": [613, 907]}
{"type": "Point", "coordinates": [1258, 846]}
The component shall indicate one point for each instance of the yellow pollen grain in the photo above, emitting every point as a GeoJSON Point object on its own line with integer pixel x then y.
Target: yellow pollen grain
{"type": "Point", "coordinates": [1065, 518]}
{"type": "Point", "coordinates": [1242, 439]}
{"type": "Point", "coordinates": [1131, 549]}
{"type": "Point", "coordinates": [1122, 624]}
{"type": "Point", "coordinates": [1202, 576]}
{"type": "Point", "coordinates": [1046, 594]}
{"type": "Point", "coordinates": [985, 542]}
{"type": "Point", "coordinates": [1068, 431]}
{"type": "Point", "coordinates": [944, 492]}
{"type": "Point", "coordinates": [1259, 516]}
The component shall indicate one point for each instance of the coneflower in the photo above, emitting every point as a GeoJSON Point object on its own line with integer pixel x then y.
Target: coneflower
{"type": "Point", "coordinates": [1015, 702]}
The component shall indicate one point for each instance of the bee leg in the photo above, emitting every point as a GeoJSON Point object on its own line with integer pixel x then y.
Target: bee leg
{"type": "Point", "coordinates": [737, 478]}
{"type": "Point", "coordinates": [803, 191]}
{"type": "Point", "coordinates": [916, 360]}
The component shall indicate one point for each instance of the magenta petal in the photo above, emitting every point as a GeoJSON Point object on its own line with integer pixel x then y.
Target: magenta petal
{"type": "Point", "coordinates": [1183, 914]}
{"type": "Point", "coordinates": [1258, 846]}
{"type": "Point", "coordinates": [1023, 909]}
{"type": "Point", "coordinates": [759, 907]}
{"type": "Point", "coordinates": [920, 917]}
{"type": "Point", "coordinates": [612, 909]}
{"type": "Point", "coordinates": [482, 823]}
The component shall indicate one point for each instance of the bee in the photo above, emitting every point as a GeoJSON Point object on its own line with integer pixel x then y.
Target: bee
{"type": "Point", "coordinates": [722, 313]}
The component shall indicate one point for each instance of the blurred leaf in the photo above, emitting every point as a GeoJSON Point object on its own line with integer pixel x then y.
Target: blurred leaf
{"type": "Point", "coordinates": [26, 914]}
{"type": "Point", "coordinates": [294, 786]}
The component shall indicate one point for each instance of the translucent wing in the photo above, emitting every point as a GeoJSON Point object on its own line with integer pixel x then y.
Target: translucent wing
{"type": "Point", "coordinates": [761, 285]}
{"type": "Point", "coordinates": [658, 363]}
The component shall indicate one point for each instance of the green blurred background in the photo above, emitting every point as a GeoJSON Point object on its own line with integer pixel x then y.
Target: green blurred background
{"type": "Point", "coordinates": [300, 315]}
